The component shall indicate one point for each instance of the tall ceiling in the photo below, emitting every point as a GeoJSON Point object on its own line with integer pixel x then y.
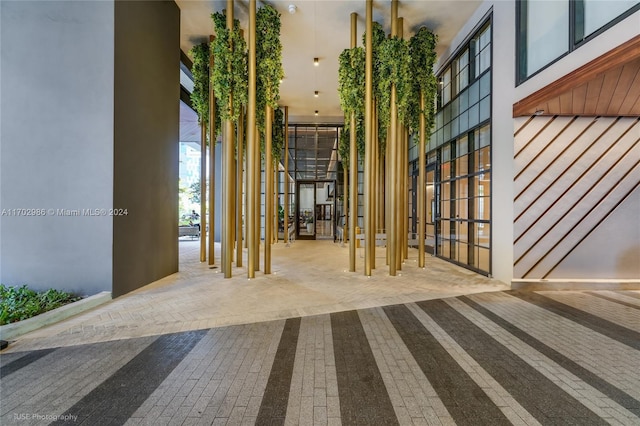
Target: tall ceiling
{"type": "Point", "coordinates": [321, 29]}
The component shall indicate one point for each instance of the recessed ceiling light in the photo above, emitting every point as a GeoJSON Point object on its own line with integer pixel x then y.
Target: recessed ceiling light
{"type": "Point", "coordinates": [316, 112]}
{"type": "Point", "coordinates": [292, 8]}
{"type": "Point", "coordinates": [316, 61]}
{"type": "Point", "coordinates": [316, 93]}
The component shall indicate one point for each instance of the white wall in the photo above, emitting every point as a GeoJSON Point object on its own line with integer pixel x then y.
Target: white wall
{"type": "Point", "coordinates": [56, 140]}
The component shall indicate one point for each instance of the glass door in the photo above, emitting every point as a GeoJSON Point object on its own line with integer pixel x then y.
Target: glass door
{"type": "Point", "coordinates": [305, 211]}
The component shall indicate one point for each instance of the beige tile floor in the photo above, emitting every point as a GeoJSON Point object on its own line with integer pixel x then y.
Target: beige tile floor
{"type": "Point", "coordinates": [309, 278]}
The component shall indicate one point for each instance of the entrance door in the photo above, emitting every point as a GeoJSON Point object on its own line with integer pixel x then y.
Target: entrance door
{"type": "Point", "coordinates": [306, 211]}
{"type": "Point", "coordinates": [315, 210]}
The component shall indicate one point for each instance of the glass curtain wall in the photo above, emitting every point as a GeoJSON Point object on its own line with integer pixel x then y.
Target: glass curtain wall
{"type": "Point", "coordinates": [458, 187]}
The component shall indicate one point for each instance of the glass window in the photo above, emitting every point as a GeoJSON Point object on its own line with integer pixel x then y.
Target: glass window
{"type": "Point", "coordinates": [446, 86]}
{"type": "Point", "coordinates": [547, 32]}
{"type": "Point", "coordinates": [462, 165]}
{"type": "Point", "coordinates": [485, 108]}
{"type": "Point", "coordinates": [482, 48]}
{"type": "Point", "coordinates": [481, 185]}
{"type": "Point", "coordinates": [598, 13]}
{"type": "Point", "coordinates": [462, 65]}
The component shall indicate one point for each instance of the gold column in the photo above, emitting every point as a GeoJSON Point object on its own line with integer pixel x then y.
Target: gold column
{"type": "Point", "coordinates": [404, 176]}
{"type": "Point", "coordinates": [239, 191]}
{"type": "Point", "coordinates": [353, 168]}
{"type": "Point", "coordinates": [374, 181]}
{"type": "Point", "coordinates": [368, 133]}
{"type": "Point", "coordinates": [268, 191]}
{"type": "Point", "coordinates": [405, 192]}
{"type": "Point", "coordinates": [251, 142]}
{"type": "Point", "coordinates": [421, 185]}
{"type": "Point", "coordinates": [212, 163]}
{"type": "Point", "coordinates": [392, 234]}
{"type": "Point", "coordinates": [286, 175]}
{"type": "Point", "coordinates": [228, 176]}
{"type": "Point", "coordinates": [276, 202]}
{"type": "Point", "coordinates": [203, 192]}
{"type": "Point", "coordinates": [258, 201]}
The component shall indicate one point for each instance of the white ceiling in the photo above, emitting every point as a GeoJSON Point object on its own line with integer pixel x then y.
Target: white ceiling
{"type": "Point", "coordinates": [321, 28]}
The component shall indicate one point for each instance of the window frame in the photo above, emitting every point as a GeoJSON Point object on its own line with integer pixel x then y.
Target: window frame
{"type": "Point", "coordinates": [576, 23]}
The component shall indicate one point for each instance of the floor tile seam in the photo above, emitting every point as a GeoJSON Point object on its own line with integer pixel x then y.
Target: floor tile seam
{"type": "Point", "coordinates": [389, 382]}
{"type": "Point", "coordinates": [565, 331]}
{"type": "Point", "coordinates": [549, 400]}
{"type": "Point", "coordinates": [404, 353]}
{"type": "Point", "coordinates": [617, 296]}
{"type": "Point", "coordinates": [530, 315]}
{"type": "Point", "coordinates": [44, 390]}
{"type": "Point", "coordinates": [472, 367]}
{"type": "Point", "coordinates": [607, 377]}
{"type": "Point", "coordinates": [623, 316]}
{"type": "Point", "coordinates": [622, 334]}
{"type": "Point", "coordinates": [165, 389]}
{"type": "Point", "coordinates": [555, 373]}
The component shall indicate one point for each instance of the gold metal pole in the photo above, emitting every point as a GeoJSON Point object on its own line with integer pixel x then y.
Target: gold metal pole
{"type": "Point", "coordinates": [286, 175]}
{"type": "Point", "coordinates": [268, 178]}
{"type": "Point", "coordinates": [239, 189]}
{"type": "Point", "coordinates": [251, 142]}
{"type": "Point", "coordinates": [405, 192]}
{"type": "Point", "coordinates": [258, 199]}
{"type": "Point", "coordinates": [203, 192]}
{"type": "Point", "coordinates": [212, 163]}
{"type": "Point", "coordinates": [276, 203]}
{"type": "Point", "coordinates": [387, 194]}
{"type": "Point", "coordinates": [374, 182]}
{"type": "Point", "coordinates": [353, 168]}
{"type": "Point", "coordinates": [368, 133]}
{"type": "Point", "coordinates": [228, 177]}
{"type": "Point", "coordinates": [421, 185]}
{"type": "Point", "coordinates": [392, 234]}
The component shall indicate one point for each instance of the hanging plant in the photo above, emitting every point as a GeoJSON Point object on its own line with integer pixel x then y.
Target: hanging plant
{"type": "Point", "coordinates": [200, 93]}
{"type": "Point", "coordinates": [225, 83]}
{"type": "Point", "coordinates": [394, 63]}
{"type": "Point", "coordinates": [200, 72]}
{"type": "Point", "coordinates": [423, 56]}
{"type": "Point", "coordinates": [269, 69]}
{"type": "Point", "coordinates": [351, 80]}
{"type": "Point", "coordinates": [277, 139]}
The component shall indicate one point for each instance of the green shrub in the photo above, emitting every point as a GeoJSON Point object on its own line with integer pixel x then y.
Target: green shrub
{"type": "Point", "coordinates": [19, 303]}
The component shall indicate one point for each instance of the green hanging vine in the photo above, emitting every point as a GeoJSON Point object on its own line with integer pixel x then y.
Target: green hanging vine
{"type": "Point", "coordinates": [423, 56]}
{"type": "Point", "coordinates": [269, 69]}
{"type": "Point", "coordinates": [200, 72]}
{"type": "Point", "coordinates": [200, 93]}
{"type": "Point", "coordinates": [277, 139]}
{"type": "Point", "coordinates": [225, 83]}
{"type": "Point", "coordinates": [351, 88]}
{"type": "Point", "coordinates": [394, 69]}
